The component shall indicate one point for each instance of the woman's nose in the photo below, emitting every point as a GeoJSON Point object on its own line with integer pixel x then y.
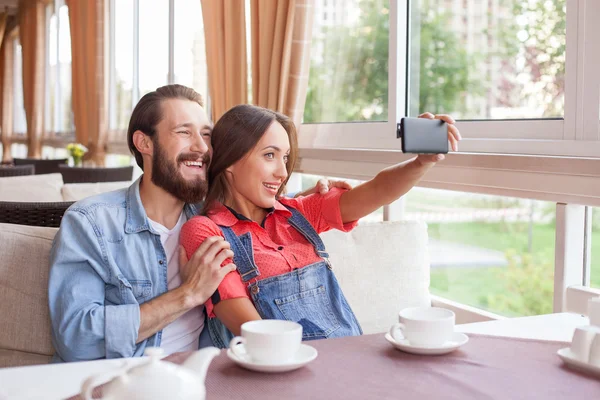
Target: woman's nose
{"type": "Point", "coordinates": [281, 171]}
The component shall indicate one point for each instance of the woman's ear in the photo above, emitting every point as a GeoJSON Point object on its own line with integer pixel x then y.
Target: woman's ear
{"type": "Point", "coordinates": [143, 143]}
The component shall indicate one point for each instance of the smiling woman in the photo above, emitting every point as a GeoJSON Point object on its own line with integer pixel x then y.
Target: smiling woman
{"type": "Point", "coordinates": [283, 271]}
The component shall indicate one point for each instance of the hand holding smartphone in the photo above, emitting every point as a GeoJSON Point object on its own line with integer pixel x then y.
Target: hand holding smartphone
{"type": "Point", "coordinates": [423, 136]}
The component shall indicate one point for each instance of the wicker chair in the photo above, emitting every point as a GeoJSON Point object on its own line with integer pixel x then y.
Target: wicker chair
{"type": "Point", "coordinates": [34, 214]}
{"type": "Point", "coordinates": [20, 170]}
{"type": "Point", "coordinates": [93, 175]}
{"type": "Point", "coordinates": [42, 166]}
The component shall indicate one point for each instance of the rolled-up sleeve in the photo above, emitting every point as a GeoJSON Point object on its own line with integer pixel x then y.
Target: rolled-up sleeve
{"type": "Point", "coordinates": [84, 327]}
{"type": "Point", "coordinates": [322, 210]}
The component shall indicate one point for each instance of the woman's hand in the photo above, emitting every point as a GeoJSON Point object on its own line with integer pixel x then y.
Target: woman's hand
{"type": "Point", "coordinates": [323, 186]}
{"type": "Point", "coordinates": [453, 137]}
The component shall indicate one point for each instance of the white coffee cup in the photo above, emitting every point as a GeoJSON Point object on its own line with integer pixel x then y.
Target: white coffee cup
{"type": "Point", "coordinates": [268, 341]}
{"type": "Point", "coordinates": [424, 326]}
{"type": "Point", "coordinates": [585, 345]}
{"type": "Point", "coordinates": [594, 311]}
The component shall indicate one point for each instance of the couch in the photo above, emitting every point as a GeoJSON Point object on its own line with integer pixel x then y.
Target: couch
{"type": "Point", "coordinates": [51, 188]}
{"type": "Point", "coordinates": [382, 268]}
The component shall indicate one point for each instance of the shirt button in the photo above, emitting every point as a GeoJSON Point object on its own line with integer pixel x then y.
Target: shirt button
{"type": "Point", "coordinates": [280, 248]}
{"type": "Point", "coordinates": [161, 262]}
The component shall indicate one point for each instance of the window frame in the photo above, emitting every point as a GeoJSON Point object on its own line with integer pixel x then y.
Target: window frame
{"type": "Point", "coordinates": [117, 142]}
{"type": "Point", "coordinates": [56, 131]}
{"type": "Point", "coordinates": [575, 135]}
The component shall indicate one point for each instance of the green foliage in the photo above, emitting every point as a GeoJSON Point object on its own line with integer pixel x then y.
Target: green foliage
{"type": "Point", "coordinates": [529, 284]}
{"type": "Point", "coordinates": [446, 69]}
{"type": "Point", "coordinates": [349, 78]}
{"type": "Point", "coordinates": [544, 51]}
{"type": "Point", "coordinates": [523, 287]}
{"type": "Point", "coordinates": [351, 82]}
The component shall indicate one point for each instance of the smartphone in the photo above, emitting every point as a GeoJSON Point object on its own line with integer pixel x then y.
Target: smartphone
{"type": "Point", "coordinates": [423, 136]}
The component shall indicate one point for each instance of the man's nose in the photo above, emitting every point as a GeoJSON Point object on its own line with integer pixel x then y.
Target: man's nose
{"type": "Point", "coordinates": [199, 145]}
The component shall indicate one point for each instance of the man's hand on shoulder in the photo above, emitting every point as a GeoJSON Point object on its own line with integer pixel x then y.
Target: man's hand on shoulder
{"type": "Point", "coordinates": [202, 274]}
{"type": "Point", "coordinates": [323, 186]}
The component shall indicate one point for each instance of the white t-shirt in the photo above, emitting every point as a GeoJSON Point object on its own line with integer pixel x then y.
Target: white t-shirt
{"type": "Point", "coordinates": [183, 333]}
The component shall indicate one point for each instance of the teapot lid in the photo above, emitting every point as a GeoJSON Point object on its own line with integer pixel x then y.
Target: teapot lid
{"type": "Point", "coordinates": [156, 379]}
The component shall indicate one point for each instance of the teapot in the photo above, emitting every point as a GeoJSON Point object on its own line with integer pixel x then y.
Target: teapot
{"type": "Point", "coordinates": [156, 379]}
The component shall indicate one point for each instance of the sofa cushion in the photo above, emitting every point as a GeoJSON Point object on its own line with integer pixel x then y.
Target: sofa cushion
{"type": "Point", "coordinates": [78, 191]}
{"type": "Point", "coordinates": [24, 268]}
{"type": "Point", "coordinates": [42, 188]}
{"type": "Point", "coordinates": [14, 358]}
{"type": "Point", "coordinates": [382, 268]}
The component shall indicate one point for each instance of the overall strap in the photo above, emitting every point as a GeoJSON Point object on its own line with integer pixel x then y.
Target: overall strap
{"type": "Point", "coordinates": [298, 221]}
{"type": "Point", "coordinates": [243, 256]}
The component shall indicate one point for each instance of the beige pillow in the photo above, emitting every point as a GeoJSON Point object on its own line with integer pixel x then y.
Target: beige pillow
{"type": "Point", "coordinates": [24, 314]}
{"type": "Point", "coordinates": [78, 191]}
{"type": "Point", "coordinates": [382, 268]}
{"type": "Point", "coordinates": [40, 188]}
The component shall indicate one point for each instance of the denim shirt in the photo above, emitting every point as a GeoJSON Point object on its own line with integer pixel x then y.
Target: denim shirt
{"type": "Point", "coordinates": [105, 261]}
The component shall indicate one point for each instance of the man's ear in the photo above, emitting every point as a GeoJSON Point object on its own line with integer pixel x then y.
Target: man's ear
{"type": "Point", "coordinates": [143, 143]}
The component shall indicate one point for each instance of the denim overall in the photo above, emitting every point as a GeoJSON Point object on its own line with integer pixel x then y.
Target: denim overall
{"type": "Point", "coordinates": [309, 295]}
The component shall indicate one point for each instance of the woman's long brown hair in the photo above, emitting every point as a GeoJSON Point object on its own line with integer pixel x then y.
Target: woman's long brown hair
{"type": "Point", "coordinates": [234, 136]}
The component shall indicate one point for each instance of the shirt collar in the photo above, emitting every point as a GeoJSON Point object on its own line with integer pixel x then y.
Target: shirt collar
{"type": "Point", "coordinates": [137, 219]}
{"type": "Point", "coordinates": [226, 216]}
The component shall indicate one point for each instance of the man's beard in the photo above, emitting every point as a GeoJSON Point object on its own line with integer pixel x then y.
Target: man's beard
{"type": "Point", "coordinates": [166, 175]}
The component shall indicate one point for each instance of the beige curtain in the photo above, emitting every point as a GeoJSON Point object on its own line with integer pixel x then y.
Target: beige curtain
{"type": "Point", "coordinates": [281, 37]}
{"type": "Point", "coordinates": [3, 19]}
{"type": "Point", "coordinates": [89, 27]}
{"type": "Point", "coordinates": [32, 34]}
{"type": "Point", "coordinates": [225, 36]}
{"type": "Point", "coordinates": [6, 86]}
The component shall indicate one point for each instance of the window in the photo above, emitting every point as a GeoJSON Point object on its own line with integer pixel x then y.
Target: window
{"type": "Point", "coordinates": [531, 130]}
{"type": "Point", "coordinates": [20, 121]}
{"type": "Point", "coordinates": [488, 60]}
{"type": "Point", "coordinates": [348, 78]}
{"type": "Point", "coordinates": [153, 45]}
{"type": "Point", "coordinates": [59, 115]}
{"type": "Point", "coordinates": [123, 64]}
{"type": "Point", "coordinates": [490, 252]}
{"type": "Point", "coordinates": [594, 254]}
{"type": "Point", "coordinates": [497, 66]}
{"type": "Point", "coordinates": [190, 49]}
{"type": "Point", "coordinates": [141, 57]}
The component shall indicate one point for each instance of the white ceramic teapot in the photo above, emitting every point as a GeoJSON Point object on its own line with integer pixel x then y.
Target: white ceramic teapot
{"type": "Point", "coordinates": [157, 379]}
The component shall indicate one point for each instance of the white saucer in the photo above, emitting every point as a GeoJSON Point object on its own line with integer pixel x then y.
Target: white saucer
{"type": "Point", "coordinates": [305, 355]}
{"type": "Point", "coordinates": [458, 339]}
{"type": "Point", "coordinates": [569, 359]}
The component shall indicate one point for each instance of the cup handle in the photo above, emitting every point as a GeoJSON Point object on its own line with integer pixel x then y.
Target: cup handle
{"type": "Point", "coordinates": [397, 327]}
{"type": "Point", "coordinates": [594, 355]}
{"type": "Point", "coordinates": [238, 347]}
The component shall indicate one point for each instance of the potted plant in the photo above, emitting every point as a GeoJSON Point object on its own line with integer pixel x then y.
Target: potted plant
{"type": "Point", "coordinates": [76, 151]}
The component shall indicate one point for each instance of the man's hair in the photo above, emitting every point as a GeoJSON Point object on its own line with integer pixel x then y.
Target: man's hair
{"type": "Point", "coordinates": [235, 134]}
{"type": "Point", "coordinates": [148, 113]}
